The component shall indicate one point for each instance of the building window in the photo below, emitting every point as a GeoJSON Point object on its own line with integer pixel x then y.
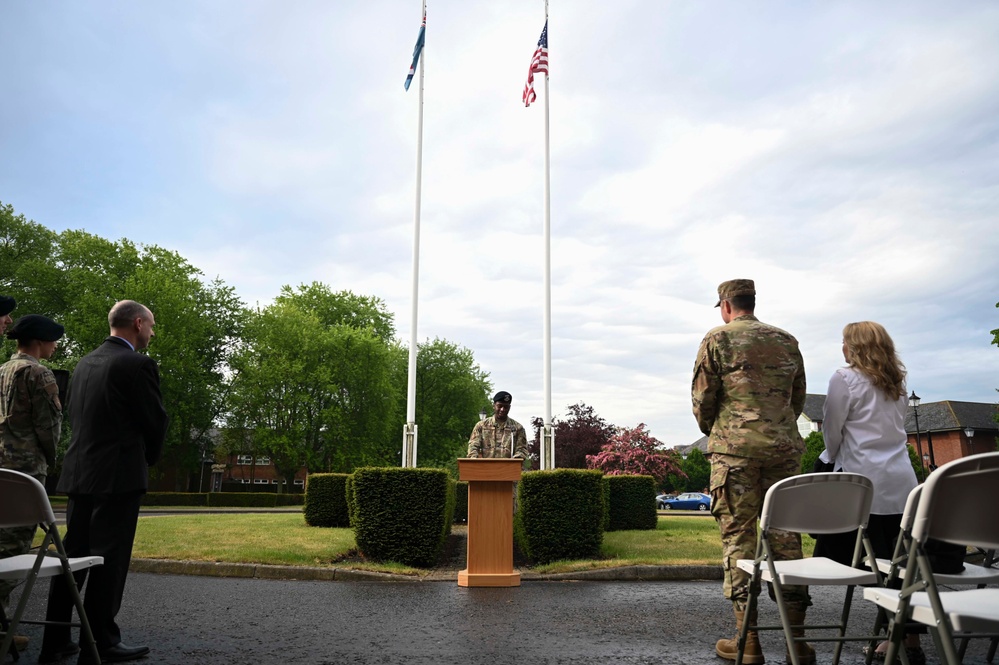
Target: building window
{"type": "Point", "coordinates": [263, 461]}
{"type": "Point", "coordinates": [261, 481]}
{"type": "Point", "coordinates": [244, 459]}
{"type": "Point", "coordinates": [299, 482]}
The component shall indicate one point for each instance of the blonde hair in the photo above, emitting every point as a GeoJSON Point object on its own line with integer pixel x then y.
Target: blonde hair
{"type": "Point", "coordinates": [872, 352]}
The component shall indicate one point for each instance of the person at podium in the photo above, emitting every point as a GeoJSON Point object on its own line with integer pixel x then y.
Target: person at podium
{"type": "Point", "coordinates": [499, 435]}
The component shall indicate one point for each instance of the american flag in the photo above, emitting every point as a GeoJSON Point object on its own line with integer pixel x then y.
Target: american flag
{"type": "Point", "coordinates": [539, 64]}
{"type": "Point", "coordinates": [417, 50]}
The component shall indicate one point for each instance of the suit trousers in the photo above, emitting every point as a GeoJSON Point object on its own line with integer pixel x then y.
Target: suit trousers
{"type": "Point", "coordinates": [96, 525]}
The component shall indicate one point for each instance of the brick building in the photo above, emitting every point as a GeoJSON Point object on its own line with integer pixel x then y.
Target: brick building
{"type": "Point", "coordinates": [950, 430]}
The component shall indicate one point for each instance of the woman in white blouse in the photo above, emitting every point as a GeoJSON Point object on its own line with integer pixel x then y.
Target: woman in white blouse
{"type": "Point", "coordinates": [864, 432]}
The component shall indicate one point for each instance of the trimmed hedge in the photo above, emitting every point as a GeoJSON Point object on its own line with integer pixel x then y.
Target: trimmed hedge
{"type": "Point", "coordinates": [561, 514]}
{"type": "Point", "coordinates": [175, 499]}
{"type": "Point", "coordinates": [326, 500]}
{"type": "Point", "coordinates": [222, 499]}
{"type": "Point", "coordinates": [402, 515]}
{"type": "Point", "coordinates": [631, 502]}
{"type": "Point", "coordinates": [461, 502]}
{"type": "Point", "coordinates": [348, 487]}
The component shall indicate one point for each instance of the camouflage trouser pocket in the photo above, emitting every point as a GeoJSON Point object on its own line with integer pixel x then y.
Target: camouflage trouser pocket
{"type": "Point", "coordinates": [719, 482]}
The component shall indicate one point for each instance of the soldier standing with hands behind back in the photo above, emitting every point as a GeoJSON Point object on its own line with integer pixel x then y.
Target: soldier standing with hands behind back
{"type": "Point", "coordinates": [30, 422]}
{"type": "Point", "coordinates": [747, 393]}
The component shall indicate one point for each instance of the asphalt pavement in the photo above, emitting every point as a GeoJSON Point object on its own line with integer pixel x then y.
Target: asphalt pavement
{"type": "Point", "coordinates": [208, 621]}
{"type": "Point", "coordinates": [236, 614]}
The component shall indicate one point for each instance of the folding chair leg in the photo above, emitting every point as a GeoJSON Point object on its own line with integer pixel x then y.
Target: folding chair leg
{"type": "Point", "coordinates": [992, 648]}
{"type": "Point", "coordinates": [8, 643]}
{"type": "Point", "coordinates": [749, 618]}
{"type": "Point", "coordinates": [12, 625]}
{"type": "Point", "coordinates": [785, 621]}
{"type": "Point", "coordinates": [86, 634]}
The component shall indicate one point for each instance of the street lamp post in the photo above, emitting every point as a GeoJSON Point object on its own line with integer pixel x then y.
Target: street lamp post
{"type": "Point", "coordinates": [914, 401]}
{"type": "Point", "coordinates": [970, 433]}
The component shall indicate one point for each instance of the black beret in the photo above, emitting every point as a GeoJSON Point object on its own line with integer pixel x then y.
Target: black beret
{"type": "Point", "coordinates": [7, 305]}
{"type": "Point", "coordinates": [35, 326]}
{"type": "Point", "coordinates": [503, 396]}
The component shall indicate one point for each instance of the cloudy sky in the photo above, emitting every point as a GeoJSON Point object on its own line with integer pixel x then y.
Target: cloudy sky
{"type": "Point", "coordinates": [844, 155]}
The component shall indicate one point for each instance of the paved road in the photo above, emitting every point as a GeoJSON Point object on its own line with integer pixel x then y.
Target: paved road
{"type": "Point", "coordinates": [202, 621]}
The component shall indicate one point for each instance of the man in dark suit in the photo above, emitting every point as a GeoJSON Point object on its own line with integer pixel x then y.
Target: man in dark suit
{"type": "Point", "coordinates": [119, 426]}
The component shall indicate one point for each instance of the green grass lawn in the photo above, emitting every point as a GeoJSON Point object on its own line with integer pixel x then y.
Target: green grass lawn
{"type": "Point", "coordinates": [285, 539]}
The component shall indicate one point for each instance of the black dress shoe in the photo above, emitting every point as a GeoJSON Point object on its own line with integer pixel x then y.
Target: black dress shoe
{"type": "Point", "coordinates": [119, 653]}
{"type": "Point", "coordinates": [54, 655]}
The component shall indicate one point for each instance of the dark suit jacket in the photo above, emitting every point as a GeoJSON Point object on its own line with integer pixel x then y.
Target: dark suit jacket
{"type": "Point", "coordinates": [118, 420]}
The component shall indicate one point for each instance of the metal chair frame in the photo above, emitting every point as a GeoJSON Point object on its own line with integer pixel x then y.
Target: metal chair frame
{"type": "Point", "coordinates": [23, 502]}
{"type": "Point", "coordinates": [800, 504]}
{"type": "Point", "coordinates": [972, 480]}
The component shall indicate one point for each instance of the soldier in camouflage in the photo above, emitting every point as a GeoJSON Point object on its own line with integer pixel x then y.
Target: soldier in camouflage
{"type": "Point", "coordinates": [7, 305]}
{"type": "Point", "coordinates": [747, 392]}
{"type": "Point", "coordinates": [30, 420]}
{"type": "Point", "coordinates": [499, 435]}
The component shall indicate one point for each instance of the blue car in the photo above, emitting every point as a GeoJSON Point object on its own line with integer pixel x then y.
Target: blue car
{"type": "Point", "coordinates": [687, 501]}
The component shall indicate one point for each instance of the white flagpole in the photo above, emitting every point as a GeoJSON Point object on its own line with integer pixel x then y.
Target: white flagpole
{"type": "Point", "coordinates": [409, 430]}
{"type": "Point", "coordinates": [548, 452]}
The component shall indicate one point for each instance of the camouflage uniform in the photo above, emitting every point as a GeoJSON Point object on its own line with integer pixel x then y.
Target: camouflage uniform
{"type": "Point", "coordinates": [30, 423]}
{"type": "Point", "coordinates": [747, 393]}
{"type": "Point", "coordinates": [498, 439]}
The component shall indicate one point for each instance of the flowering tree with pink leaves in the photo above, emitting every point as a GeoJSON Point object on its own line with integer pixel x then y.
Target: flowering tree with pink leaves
{"type": "Point", "coordinates": [636, 451]}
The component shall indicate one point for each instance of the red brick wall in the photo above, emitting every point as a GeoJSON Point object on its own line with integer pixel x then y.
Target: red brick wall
{"type": "Point", "coordinates": [949, 446]}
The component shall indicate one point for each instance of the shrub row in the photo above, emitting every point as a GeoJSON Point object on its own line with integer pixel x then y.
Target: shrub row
{"type": "Point", "coordinates": [222, 499]}
{"type": "Point", "coordinates": [461, 502]}
{"type": "Point", "coordinates": [630, 503]}
{"type": "Point", "coordinates": [326, 500]}
{"type": "Point", "coordinates": [561, 514]}
{"type": "Point", "coordinates": [402, 515]}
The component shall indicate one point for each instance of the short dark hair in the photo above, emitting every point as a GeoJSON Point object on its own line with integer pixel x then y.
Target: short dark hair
{"type": "Point", "coordinates": [743, 303]}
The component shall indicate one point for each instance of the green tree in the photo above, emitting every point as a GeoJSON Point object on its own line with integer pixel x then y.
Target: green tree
{"type": "Point", "coordinates": [450, 390]}
{"type": "Point", "coordinates": [75, 277]}
{"type": "Point", "coordinates": [313, 393]}
{"type": "Point", "coordinates": [698, 471]}
{"type": "Point", "coordinates": [341, 308]}
{"type": "Point", "coordinates": [814, 445]}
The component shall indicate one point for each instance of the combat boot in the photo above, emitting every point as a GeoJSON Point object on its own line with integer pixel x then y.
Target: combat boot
{"type": "Point", "coordinates": [729, 649]}
{"type": "Point", "coordinates": [806, 654]}
{"type": "Point", "coordinates": [20, 642]}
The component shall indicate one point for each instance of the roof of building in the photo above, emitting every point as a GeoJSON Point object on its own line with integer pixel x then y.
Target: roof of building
{"type": "Point", "coordinates": [813, 407]}
{"type": "Point", "coordinates": [701, 443]}
{"type": "Point", "coordinates": [951, 415]}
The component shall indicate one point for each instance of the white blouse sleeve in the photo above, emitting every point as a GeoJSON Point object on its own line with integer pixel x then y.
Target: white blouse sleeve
{"type": "Point", "coordinates": [834, 414]}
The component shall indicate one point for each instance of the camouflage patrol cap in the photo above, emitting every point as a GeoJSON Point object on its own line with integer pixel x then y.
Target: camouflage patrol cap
{"type": "Point", "coordinates": [735, 287]}
{"type": "Point", "coordinates": [35, 326]}
{"type": "Point", "coordinates": [7, 305]}
{"type": "Point", "coordinates": [502, 397]}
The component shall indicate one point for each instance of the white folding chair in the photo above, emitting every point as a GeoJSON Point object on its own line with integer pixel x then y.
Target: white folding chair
{"type": "Point", "coordinates": [945, 512]}
{"type": "Point", "coordinates": [23, 502]}
{"type": "Point", "coordinates": [894, 568]}
{"type": "Point", "coordinates": [815, 503]}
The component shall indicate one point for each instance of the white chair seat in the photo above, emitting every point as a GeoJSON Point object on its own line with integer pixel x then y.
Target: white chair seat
{"type": "Point", "coordinates": [972, 574]}
{"type": "Point", "coordinates": [812, 571]}
{"type": "Point", "coordinates": [974, 610]}
{"type": "Point", "coordinates": [18, 567]}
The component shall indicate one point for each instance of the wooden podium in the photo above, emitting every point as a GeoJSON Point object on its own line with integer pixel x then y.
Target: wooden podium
{"type": "Point", "coordinates": [490, 521]}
